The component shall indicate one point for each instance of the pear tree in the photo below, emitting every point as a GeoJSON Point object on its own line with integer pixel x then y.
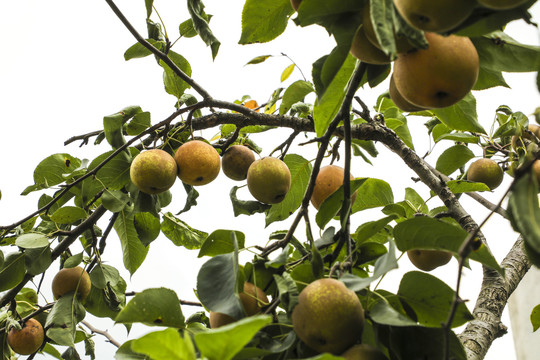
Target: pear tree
{"type": "Point", "coordinates": [300, 271]}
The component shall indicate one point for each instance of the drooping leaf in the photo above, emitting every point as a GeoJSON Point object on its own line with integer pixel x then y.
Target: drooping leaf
{"type": "Point", "coordinates": [148, 227]}
{"type": "Point", "coordinates": [134, 252]}
{"type": "Point", "coordinates": [246, 207]}
{"type": "Point", "coordinates": [180, 233]}
{"type": "Point", "coordinates": [287, 72]}
{"type": "Point", "coordinates": [371, 194]}
{"type": "Point", "coordinates": [153, 307]}
{"type": "Point", "coordinates": [383, 313]}
{"type": "Point", "coordinates": [200, 24]}
{"type": "Point", "coordinates": [221, 242]}
{"type": "Point", "coordinates": [174, 85]}
{"type": "Point", "coordinates": [453, 158]}
{"type": "Point", "coordinates": [264, 20]}
{"type": "Point", "coordinates": [431, 299]}
{"type": "Point", "coordinates": [37, 260]}
{"type": "Point", "coordinates": [13, 270]}
{"type": "Point", "coordinates": [535, 317]}
{"type": "Point", "coordinates": [63, 318]}
{"type": "Point", "coordinates": [53, 170]}
{"type": "Point", "coordinates": [461, 116]}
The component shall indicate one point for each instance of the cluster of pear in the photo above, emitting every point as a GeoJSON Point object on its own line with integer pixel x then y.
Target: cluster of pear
{"type": "Point", "coordinates": [438, 76]}
{"type": "Point", "coordinates": [330, 318]}
{"type": "Point", "coordinates": [29, 338]}
{"type": "Point", "coordinates": [198, 163]}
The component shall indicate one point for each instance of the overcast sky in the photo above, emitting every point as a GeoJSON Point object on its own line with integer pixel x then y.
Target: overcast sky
{"type": "Point", "coordinates": [62, 70]}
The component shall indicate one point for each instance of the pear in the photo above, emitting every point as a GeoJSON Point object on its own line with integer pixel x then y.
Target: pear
{"type": "Point", "coordinates": [198, 162]}
{"type": "Point", "coordinates": [236, 161]}
{"type": "Point", "coordinates": [27, 340]}
{"type": "Point", "coordinates": [269, 180]}
{"type": "Point", "coordinates": [364, 50]}
{"type": "Point", "coordinates": [153, 171]}
{"type": "Point", "coordinates": [402, 43]}
{"type": "Point", "coordinates": [486, 171]}
{"type": "Point", "coordinates": [329, 317]}
{"type": "Point", "coordinates": [440, 75]}
{"type": "Point", "coordinates": [428, 260]}
{"type": "Point", "coordinates": [435, 15]}
{"type": "Point", "coordinates": [253, 299]}
{"type": "Point", "coordinates": [399, 100]}
{"type": "Point", "coordinates": [329, 179]}
{"type": "Point", "coordinates": [71, 279]}
{"type": "Point", "coordinates": [517, 142]}
{"type": "Point", "coordinates": [501, 4]}
{"type": "Point", "coordinates": [363, 352]}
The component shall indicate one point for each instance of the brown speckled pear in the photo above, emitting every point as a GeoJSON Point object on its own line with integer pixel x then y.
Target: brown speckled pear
{"type": "Point", "coordinates": [364, 50]}
{"type": "Point", "coordinates": [329, 179]}
{"type": "Point", "coordinates": [236, 161]}
{"type": "Point", "coordinates": [329, 317]}
{"type": "Point", "coordinates": [486, 171]}
{"type": "Point", "coordinates": [71, 279]}
{"type": "Point", "coordinates": [27, 340]}
{"type": "Point", "coordinates": [437, 16]}
{"type": "Point", "coordinates": [198, 163]}
{"type": "Point", "coordinates": [269, 180]}
{"type": "Point", "coordinates": [153, 171]}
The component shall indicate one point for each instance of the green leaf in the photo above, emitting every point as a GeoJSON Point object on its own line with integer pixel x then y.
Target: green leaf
{"type": "Point", "coordinates": [174, 85]}
{"type": "Point", "coordinates": [245, 207]}
{"type": "Point", "coordinates": [368, 229]}
{"type": "Point", "coordinates": [113, 125]}
{"type": "Point", "coordinates": [32, 240]}
{"type": "Point", "coordinates": [264, 20]}
{"type": "Point", "coordinates": [153, 307]}
{"type": "Point", "coordinates": [331, 206]}
{"type": "Point", "coordinates": [133, 250]}
{"type": "Point", "coordinates": [62, 321]}
{"type": "Point", "coordinates": [431, 299]}
{"type": "Point", "coordinates": [166, 344]}
{"type": "Point", "coordinates": [296, 92]}
{"type": "Point", "coordinates": [488, 78]}
{"type": "Point", "coordinates": [139, 123]}
{"type": "Point", "coordinates": [191, 199]}
{"type": "Point", "coordinates": [524, 210]}
{"type": "Point", "coordinates": [149, 6]}
{"type": "Point", "coordinates": [180, 233]}
{"type": "Point", "coordinates": [373, 193]}
{"type": "Point", "coordinates": [453, 158]}
{"type": "Point", "coordinates": [106, 302]}
{"type": "Point", "coordinates": [115, 173]}
{"type": "Point", "coordinates": [218, 285]}
{"type": "Point", "coordinates": [138, 50]}
{"type": "Point", "coordinates": [148, 227]}
{"type": "Point", "coordinates": [461, 186]}
{"type": "Point", "coordinates": [125, 352]}
{"type": "Point", "coordinates": [327, 106]}
{"type": "Point", "coordinates": [13, 270]}
{"type": "Point", "coordinates": [258, 59]}
{"type": "Point", "coordinates": [300, 169]}
{"type": "Point", "coordinates": [287, 72]}
{"type": "Point", "coordinates": [200, 24]}
{"type": "Point", "coordinates": [68, 215]}
{"type": "Point", "coordinates": [461, 116]}
{"type": "Point", "coordinates": [225, 342]}
{"type": "Point", "coordinates": [383, 313]}
{"type": "Point", "coordinates": [115, 200]}
{"type": "Point", "coordinates": [396, 121]}
{"type": "Point", "coordinates": [37, 260]}
{"type": "Point", "coordinates": [221, 242]}
{"type": "Point", "coordinates": [384, 264]}
{"type": "Point", "coordinates": [432, 234]}
{"type": "Point", "coordinates": [103, 274]}
{"type": "Point", "coordinates": [53, 170]}
{"type": "Point", "coordinates": [315, 11]}
{"type": "Point", "coordinates": [499, 52]}
{"type": "Point", "coordinates": [535, 317]}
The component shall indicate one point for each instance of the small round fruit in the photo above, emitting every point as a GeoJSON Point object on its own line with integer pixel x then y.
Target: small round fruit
{"type": "Point", "coordinates": [364, 50]}
{"type": "Point", "coordinates": [295, 4]}
{"type": "Point", "coordinates": [440, 75]}
{"type": "Point", "coordinates": [518, 142]}
{"type": "Point", "coordinates": [329, 317]}
{"type": "Point", "coordinates": [253, 299]}
{"type": "Point", "coordinates": [430, 15]}
{"type": "Point", "coordinates": [236, 161]}
{"type": "Point", "coordinates": [501, 4]}
{"type": "Point", "coordinates": [399, 100]}
{"type": "Point", "coordinates": [153, 171]}
{"type": "Point", "coordinates": [486, 171]}
{"type": "Point", "coordinates": [363, 352]}
{"type": "Point", "coordinates": [198, 162]}
{"type": "Point", "coordinates": [269, 180]}
{"type": "Point", "coordinates": [329, 179]}
{"type": "Point", "coordinates": [428, 260]}
{"type": "Point", "coordinates": [27, 340]}
{"type": "Point", "coordinates": [71, 279]}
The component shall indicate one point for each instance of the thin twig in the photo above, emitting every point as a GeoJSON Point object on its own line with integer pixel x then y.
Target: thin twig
{"type": "Point", "coordinates": [101, 332]}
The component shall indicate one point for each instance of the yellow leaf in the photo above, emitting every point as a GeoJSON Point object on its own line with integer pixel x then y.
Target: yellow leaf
{"type": "Point", "coordinates": [287, 72]}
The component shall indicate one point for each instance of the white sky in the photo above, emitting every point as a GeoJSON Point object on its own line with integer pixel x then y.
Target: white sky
{"type": "Point", "coordinates": [62, 70]}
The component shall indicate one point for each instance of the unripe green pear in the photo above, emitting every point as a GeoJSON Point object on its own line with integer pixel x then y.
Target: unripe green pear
{"type": "Point", "coordinates": [71, 279]}
{"type": "Point", "coordinates": [501, 4]}
{"type": "Point", "coordinates": [269, 180]}
{"type": "Point", "coordinates": [329, 179]}
{"type": "Point", "coordinates": [363, 352]}
{"type": "Point", "coordinates": [253, 299]}
{"type": "Point", "coordinates": [364, 50]}
{"type": "Point", "coordinates": [153, 171]}
{"type": "Point", "coordinates": [27, 340]}
{"type": "Point", "coordinates": [435, 15]}
{"type": "Point", "coordinates": [440, 75]}
{"type": "Point", "coordinates": [198, 162]}
{"type": "Point", "coordinates": [428, 260]}
{"type": "Point", "coordinates": [329, 317]}
{"type": "Point", "coordinates": [399, 100]}
{"type": "Point", "coordinates": [486, 171]}
{"type": "Point", "coordinates": [236, 161]}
